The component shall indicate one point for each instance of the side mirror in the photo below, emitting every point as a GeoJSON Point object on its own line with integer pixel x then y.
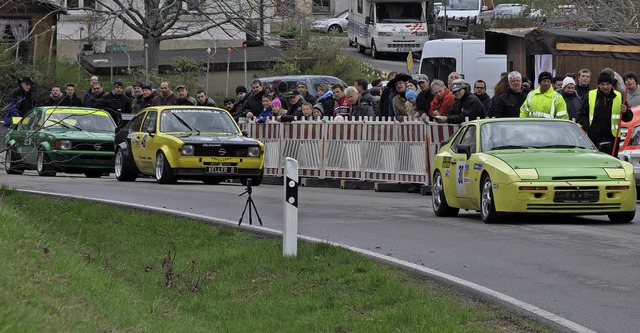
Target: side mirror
{"type": "Point", "coordinates": [606, 147]}
{"type": "Point", "coordinates": [245, 132]}
{"type": "Point", "coordinates": [151, 129]}
{"type": "Point", "coordinates": [465, 149]}
{"type": "Point", "coordinates": [367, 20]}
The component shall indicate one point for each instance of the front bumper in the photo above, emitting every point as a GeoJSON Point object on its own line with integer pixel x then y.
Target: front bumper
{"type": "Point", "coordinates": [80, 159]}
{"type": "Point", "coordinates": [610, 198]}
{"type": "Point", "coordinates": [395, 44]}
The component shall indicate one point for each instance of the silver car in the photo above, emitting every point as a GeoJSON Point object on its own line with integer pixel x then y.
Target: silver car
{"type": "Point", "coordinates": [333, 25]}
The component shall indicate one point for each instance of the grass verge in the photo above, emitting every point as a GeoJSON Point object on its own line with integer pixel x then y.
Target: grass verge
{"type": "Point", "coordinates": [78, 266]}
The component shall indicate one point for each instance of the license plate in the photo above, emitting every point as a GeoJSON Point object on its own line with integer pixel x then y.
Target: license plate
{"type": "Point", "coordinates": [576, 196]}
{"type": "Point", "coordinates": [220, 169]}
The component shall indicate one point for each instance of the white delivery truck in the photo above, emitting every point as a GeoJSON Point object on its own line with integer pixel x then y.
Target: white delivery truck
{"type": "Point", "coordinates": [465, 56]}
{"type": "Point", "coordinates": [455, 15]}
{"type": "Point", "coordinates": [394, 26]}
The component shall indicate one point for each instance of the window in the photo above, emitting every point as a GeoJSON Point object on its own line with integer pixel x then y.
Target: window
{"type": "Point", "coordinates": [466, 138]}
{"type": "Point", "coordinates": [321, 6]}
{"type": "Point", "coordinates": [80, 4]}
{"type": "Point", "coordinates": [150, 122]}
{"type": "Point", "coordinates": [360, 6]}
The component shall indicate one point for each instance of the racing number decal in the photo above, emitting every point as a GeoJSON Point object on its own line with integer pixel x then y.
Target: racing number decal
{"type": "Point", "coordinates": [461, 166]}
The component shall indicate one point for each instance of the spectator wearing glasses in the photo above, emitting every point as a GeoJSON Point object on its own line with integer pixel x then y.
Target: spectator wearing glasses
{"type": "Point", "coordinates": [480, 90]}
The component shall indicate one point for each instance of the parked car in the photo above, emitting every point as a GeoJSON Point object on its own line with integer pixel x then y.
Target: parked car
{"type": "Point", "coordinates": [333, 25]}
{"type": "Point", "coordinates": [511, 10]}
{"type": "Point", "coordinates": [513, 165]}
{"type": "Point", "coordinates": [61, 139]}
{"type": "Point", "coordinates": [312, 81]}
{"type": "Point", "coordinates": [173, 142]}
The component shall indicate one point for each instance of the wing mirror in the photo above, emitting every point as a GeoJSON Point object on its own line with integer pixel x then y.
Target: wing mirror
{"type": "Point", "coordinates": [605, 147]}
{"type": "Point", "coordinates": [464, 149]}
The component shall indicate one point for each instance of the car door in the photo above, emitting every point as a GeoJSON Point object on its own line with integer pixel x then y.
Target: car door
{"type": "Point", "coordinates": [143, 149]}
{"type": "Point", "coordinates": [27, 138]}
{"type": "Point", "coordinates": [465, 167]}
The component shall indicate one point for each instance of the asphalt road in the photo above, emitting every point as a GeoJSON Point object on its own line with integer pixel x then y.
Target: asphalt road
{"type": "Point", "coordinates": [583, 269]}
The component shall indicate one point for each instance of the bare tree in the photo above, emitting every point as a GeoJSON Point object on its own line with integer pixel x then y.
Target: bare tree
{"type": "Point", "coordinates": [160, 20]}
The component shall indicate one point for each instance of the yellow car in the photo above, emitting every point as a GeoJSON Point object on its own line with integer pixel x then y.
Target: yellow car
{"type": "Point", "coordinates": [515, 165]}
{"type": "Point", "coordinates": [172, 142]}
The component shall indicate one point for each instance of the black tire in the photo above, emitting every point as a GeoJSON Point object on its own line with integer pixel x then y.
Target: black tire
{"type": "Point", "coordinates": [374, 51]}
{"type": "Point", "coordinates": [625, 217]}
{"type": "Point", "coordinates": [44, 166]}
{"type": "Point", "coordinates": [361, 49]}
{"type": "Point", "coordinates": [93, 173]}
{"type": "Point", "coordinates": [211, 180]}
{"type": "Point", "coordinates": [12, 165]}
{"type": "Point", "coordinates": [164, 172]}
{"type": "Point", "coordinates": [439, 200]}
{"type": "Point", "coordinates": [487, 204]}
{"type": "Point", "coordinates": [122, 168]}
{"type": "Point", "coordinates": [334, 29]}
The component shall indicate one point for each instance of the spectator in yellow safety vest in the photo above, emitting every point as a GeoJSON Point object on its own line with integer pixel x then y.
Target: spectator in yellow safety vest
{"type": "Point", "coordinates": [544, 102]}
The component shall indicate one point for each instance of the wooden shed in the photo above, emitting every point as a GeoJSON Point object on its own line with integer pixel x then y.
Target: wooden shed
{"type": "Point", "coordinates": [28, 27]}
{"type": "Point", "coordinates": [568, 50]}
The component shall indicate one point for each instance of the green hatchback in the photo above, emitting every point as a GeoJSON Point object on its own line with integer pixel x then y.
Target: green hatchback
{"type": "Point", "coordinates": [61, 139]}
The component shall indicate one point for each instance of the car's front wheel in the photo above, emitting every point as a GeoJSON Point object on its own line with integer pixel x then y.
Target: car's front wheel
{"type": "Point", "coordinates": [487, 204]}
{"type": "Point", "coordinates": [626, 217]}
{"type": "Point", "coordinates": [122, 168]}
{"type": "Point", "coordinates": [439, 200]}
{"type": "Point", "coordinates": [43, 165]}
{"type": "Point", "coordinates": [11, 163]}
{"type": "Point", "coordinates": [164, 172]}
{"type": "Point", "coordinates": [374, 51]}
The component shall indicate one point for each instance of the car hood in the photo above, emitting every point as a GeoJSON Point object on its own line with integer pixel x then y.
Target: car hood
{"type": "Point", "coordinates": [560, 163]}
{"type": "Point", "coordinates": [83, 135]}
{"type": "Point", "coordinates": [216, 139]}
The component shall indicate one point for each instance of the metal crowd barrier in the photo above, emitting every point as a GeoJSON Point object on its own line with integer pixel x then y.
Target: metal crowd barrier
{"type": "Point", "coordinates": [371, 150]}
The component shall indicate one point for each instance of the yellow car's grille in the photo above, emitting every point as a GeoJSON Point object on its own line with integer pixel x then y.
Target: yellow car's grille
{"type": "Point", "coordinates": [230, 151]}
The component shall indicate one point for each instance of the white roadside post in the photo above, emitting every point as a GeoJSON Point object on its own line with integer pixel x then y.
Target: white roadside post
{"type": "Point", "coordinates": [290, 233]}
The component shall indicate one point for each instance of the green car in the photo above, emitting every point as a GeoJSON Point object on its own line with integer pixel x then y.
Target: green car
{"type": "Point", "coordinates": [61, 139]}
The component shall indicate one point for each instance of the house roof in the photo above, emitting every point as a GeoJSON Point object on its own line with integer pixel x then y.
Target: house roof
{"type": "Point", "coordinates": [558, 41]}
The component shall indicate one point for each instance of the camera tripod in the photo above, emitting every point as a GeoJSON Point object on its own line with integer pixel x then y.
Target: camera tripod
{"type": "Point", "coordinates": [249, 204]}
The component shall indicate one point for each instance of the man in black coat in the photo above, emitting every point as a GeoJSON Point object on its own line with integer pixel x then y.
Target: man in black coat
{"type": "Point", "coordinates": [509, 102]}
{"type": "Point", "coordinates": [467, 105]}
{"type": "Point", "coordinates": [116, 102]}
{"type": "Point", "coordinates": [70, 98]}
{"type": "Point", "coordinates": [253, 103]}
{"type": "Point", "coordinates": [423, 102]}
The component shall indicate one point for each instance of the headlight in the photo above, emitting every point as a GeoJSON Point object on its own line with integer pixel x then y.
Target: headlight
{"type": "Point", "coordinates": [253, 152]}
{"type": "Point", "coordinates": [187, 150]}
{"type": "Point", "coordinates": [385, 34]}
{"type": "Point", "coordinates": [63, 144]}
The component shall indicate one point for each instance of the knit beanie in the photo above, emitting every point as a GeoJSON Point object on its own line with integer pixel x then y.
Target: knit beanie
{"type": "Point", "coordinates": [276, 102]}
{"type": "Point", "coordinates": [605, 77]}
{"type": "Point", "coordinates": [544, 76]}
{"type": "Point", "coordinates": [410, 94]}
{"type": "Point", "coordinates": [568, 80]}
{"type": "Point", "coordinates": [240, 89]}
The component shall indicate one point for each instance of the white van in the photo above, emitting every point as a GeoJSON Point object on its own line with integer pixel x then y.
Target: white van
{"type": "Point", "coordinates": [465, 56]}
{"type": "Point", "coordinates": [394, 26]}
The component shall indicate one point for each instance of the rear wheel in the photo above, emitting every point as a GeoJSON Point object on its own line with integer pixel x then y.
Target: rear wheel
{"type": "Point", "coordinates": [122, 168]}
{"type": "Point", "coordinates": [626, 217]}
{"type": "Point", "coordinates": [439, 200]}
{"type": "Point", "coordinates": [487, 204]}
{"type": "Point", "coordinates": [44, 166]}
{"type": "Point", "coordinates": [361, 49]}
{"type": "Point", "coordinates": [334, 29]}
{"type": "Point", "coordinates": [11, 164]}
{"type": "Point", "coordinates": [164, 172]}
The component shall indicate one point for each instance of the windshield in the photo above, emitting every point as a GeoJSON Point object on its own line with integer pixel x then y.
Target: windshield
{"type": "Point", "coordinates": [85, 121]}
{"type": "Point", "coordinates": [463, 5]}
{"type": "Point", "coordinates": [197, 120]}
{"type": "Point", "coordinates": [400, 13]}
{"type": "Point", "coordinates": [533, 134]}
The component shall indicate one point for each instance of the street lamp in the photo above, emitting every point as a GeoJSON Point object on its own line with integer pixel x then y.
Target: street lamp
{"type": "Point", "coordinates": [208, 58]}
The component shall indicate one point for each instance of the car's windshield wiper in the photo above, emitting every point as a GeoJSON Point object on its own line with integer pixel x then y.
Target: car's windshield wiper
{"type": "Point", "coordinates": [185, 123]}
{"type": "Point", "coordinates": [509, 147]}
{"type": "Point", "coordinates": [559, 146]}
{"type": "Point", "coordinates": [64, 124]}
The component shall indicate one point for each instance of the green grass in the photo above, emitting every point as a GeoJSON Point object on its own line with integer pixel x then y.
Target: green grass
{"type": "Point", "coordinates": [79, 266]}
